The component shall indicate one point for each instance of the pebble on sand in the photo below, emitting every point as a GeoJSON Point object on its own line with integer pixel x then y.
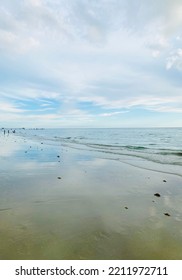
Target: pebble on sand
{"type": "Point", "coordinates": [164, 181]}
{"type": "Point", "coordinates": [126, 207]}
{"type": "Point", "coordinates": [59, 177]}
{"type": "Point", "coordinates": [167, 214]}
{"type": "Point", "coordinates": [157, 194]}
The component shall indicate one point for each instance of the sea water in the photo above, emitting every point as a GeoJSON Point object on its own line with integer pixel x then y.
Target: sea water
{"type": "Point", "coordinates": [161, 145]}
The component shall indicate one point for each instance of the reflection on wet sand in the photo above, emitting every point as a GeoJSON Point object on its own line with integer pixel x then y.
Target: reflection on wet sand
{"type": "Point", "coordinates": [99, 209]}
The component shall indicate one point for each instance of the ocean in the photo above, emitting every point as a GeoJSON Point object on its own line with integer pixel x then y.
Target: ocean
{"type": "Point", "coordinates": [160, 145]}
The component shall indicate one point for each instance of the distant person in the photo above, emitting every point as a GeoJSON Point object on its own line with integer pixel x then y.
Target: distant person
{"type": "Point", "coordinates": [4, 132]}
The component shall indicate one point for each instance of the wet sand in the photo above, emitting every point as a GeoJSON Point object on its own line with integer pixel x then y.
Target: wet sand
{"type": "Point", "coordinates": [61, 203]}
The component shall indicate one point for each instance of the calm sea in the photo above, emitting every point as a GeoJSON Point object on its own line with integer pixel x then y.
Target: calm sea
{"type": "Point", "coordinates": [161, 145]}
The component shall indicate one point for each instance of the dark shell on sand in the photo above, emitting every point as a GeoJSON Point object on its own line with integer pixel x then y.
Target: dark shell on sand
{"type": "Point", "coordinates": [157, 194]}
{"type": "Point", "coordinates": [167, 214]}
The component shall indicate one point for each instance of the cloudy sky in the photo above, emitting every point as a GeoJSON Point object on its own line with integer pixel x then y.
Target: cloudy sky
{"type": "Point", "coordinates": [90, 63]}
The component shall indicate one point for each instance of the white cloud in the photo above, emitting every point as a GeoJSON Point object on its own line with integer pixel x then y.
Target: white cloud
{"type": "Point", "coordinates": [10, 108]}
{"type": "Point", "coordinates": [175, 60]}
{"type": "Point", "coordinates": [113, 113]}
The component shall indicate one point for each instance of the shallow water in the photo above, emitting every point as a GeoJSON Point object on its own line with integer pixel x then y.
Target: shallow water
{"type": "Point", "coordinates": [99, 209]}
{"type": "Point", "coordinates": [163, 145]}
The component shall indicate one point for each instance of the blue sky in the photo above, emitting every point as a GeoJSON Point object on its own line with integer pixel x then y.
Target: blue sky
{"type": "Point", "coordinates": [90, 63]}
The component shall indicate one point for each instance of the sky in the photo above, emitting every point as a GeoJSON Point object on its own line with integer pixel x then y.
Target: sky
{"type": "Point", "coordinates": [90, 63]}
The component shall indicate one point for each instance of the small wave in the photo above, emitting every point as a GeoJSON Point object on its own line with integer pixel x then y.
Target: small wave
{"type": "Point", "coordinates": [179, 154]}
{"type": "Point", "coordinates": [103, 146]}
{"type": "Point", "coordinates": [136, 147]}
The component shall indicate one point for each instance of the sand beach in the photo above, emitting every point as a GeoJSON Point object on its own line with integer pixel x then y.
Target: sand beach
{"type": "Point", "coordinates": [58, 202]}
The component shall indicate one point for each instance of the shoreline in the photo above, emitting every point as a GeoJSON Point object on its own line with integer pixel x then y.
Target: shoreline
{"type": "Point", "coordinates": [60, 203]}
{"type": "Point", "coordinates": [141, 159]}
